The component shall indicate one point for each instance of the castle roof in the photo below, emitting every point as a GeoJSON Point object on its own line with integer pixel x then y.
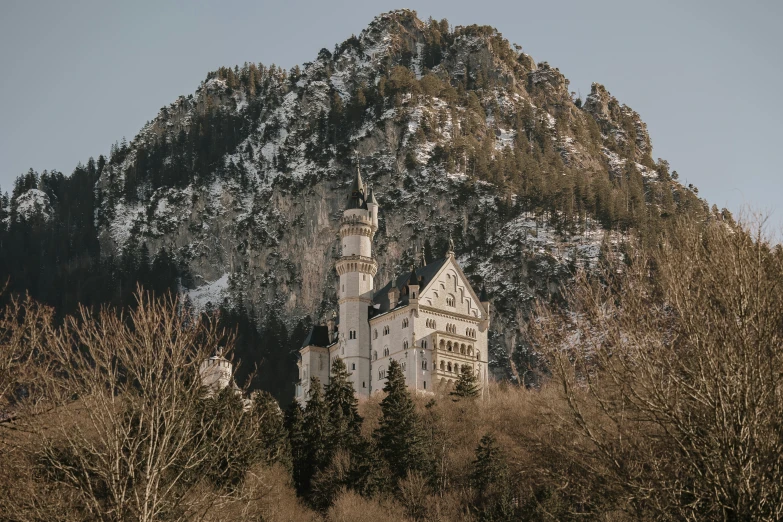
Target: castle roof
{"type": "Point", "coordinates": [371, 196]}
{"type": "Point", "coordinates": [356, 197]}
{"type": "Point", "coordinates": [421, 276]}
{"type": "Point", "coordinates": [318, 336]}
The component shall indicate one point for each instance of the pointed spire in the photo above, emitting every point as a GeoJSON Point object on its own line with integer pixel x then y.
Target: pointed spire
{"type": "Point", "coordinates": [423, 256]}
{"type": "Point", "coordinates": [371, 196]}
{"type": "Point", "coordinates": [356, 197]}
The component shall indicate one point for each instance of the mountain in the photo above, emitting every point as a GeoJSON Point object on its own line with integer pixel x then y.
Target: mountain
{"type": "Point", "coordinates": [233, 194]}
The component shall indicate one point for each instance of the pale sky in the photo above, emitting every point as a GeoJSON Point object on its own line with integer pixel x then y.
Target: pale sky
{"type": "Point", "coordinates": [77, 76]}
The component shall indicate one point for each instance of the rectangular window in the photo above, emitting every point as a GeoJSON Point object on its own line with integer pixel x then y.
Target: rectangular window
{"type": "Point", "coordinates": [364, 384]}
{"type": "Point", "coordinates": [353, 366]}
{"type": "Point", "coordinates": [425, 385]}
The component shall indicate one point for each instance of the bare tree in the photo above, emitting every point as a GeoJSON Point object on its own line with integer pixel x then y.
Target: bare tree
{"type": "Point", "coordinates": [671, 365]}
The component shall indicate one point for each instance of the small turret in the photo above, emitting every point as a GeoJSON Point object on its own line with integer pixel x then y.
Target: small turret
{"type": "Point", "coordinates": [372, 206]}
{"type": "Point", "coordinates": [216, 373]}
{"type": "Point", "coordinates": [413, 287]}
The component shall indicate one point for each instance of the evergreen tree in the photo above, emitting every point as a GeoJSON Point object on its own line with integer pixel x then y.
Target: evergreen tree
{"type": "Point", "coordinates": [273, 437]}
{"type": "Point", "coordinates": [467, 384]}
{"type": "Point", "coordinates": [344, 420]}
{"type": "Point", "coordinates": [294, 424]}
{"type": "Point", "coordinates": [490, 481]}
{"type": "Point", "coordinates": [399, 437]}
{"type": "Point", "coordinates": [316, 433]}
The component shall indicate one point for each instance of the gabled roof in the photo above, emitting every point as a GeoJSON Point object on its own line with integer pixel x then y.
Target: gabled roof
{"type": "Point", "coordinates": [318, 336]}
{"type": "Point", "coordinates": [424, 275]}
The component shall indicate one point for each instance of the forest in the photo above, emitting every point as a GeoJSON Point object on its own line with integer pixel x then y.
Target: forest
{"type": "Point", "coordinates": [661, 401]}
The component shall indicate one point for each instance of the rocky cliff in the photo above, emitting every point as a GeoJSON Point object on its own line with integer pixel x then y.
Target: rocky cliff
{"type": "Point", "coordinates": [459, 133]}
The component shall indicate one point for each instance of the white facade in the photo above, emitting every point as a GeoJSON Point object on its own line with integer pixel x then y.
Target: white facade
{"type": "Point", "coordinates": [430, 319]}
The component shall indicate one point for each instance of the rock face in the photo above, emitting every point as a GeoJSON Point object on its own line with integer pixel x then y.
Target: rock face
{"type": "Point", "coordinates": [457, 133]}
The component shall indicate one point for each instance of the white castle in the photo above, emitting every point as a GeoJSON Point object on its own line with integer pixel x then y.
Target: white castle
{"type": "Point", "coordinates": [429, 319]}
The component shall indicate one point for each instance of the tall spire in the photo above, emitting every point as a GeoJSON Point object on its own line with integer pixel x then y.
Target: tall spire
{"type": "Point", "coordinates": [356, 198]}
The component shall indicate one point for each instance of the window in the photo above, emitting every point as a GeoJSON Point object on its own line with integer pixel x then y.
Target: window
{"type": "Point", "coordinates": [442, 365]}
{"type": "Point", "coordinates": [353, 366]}
{"type": "Point", "coordinates": [448, 366]}
{"type": "Point", "coordinates": [375, 355]}
{"type": "Point", "coordinates": [424, 344]}
{"type": "Point", "coordinates": [386, 352]}
{"type": "Point", "coordinates": [375, 334]}
{"type": "Point", "coordinates": [364, 384]}
{"type": "Point", "coordinates": [381, 374]}
{"type": "Point", "coordinates": [386, 330]}
{"type": "Point", "coordinates": [352, 334]}
{"type": "Point", "coordinates": [425, 385]}
{"type": "Point", "coordinates": [405, 323]}
{"type": "Point", "coordinates": [424, 364]}
{"type": "Point", "coordinates": [403, 365]}
{"type": "Point", "coordinates": [478, 355]}
{"type": "Point", "coordinates": [405, 345]}
{"type": "Point", "coordinates": [449, 300]}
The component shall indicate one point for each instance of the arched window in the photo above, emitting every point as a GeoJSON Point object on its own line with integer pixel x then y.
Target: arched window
{"type": "Point", "coordinates": [375, 355]}
{"type": "Point", "coordinates": [386, 352]}
{"type": "Point", "coordinates": [462, 349]}
{"type": "Point", "coordinates": [375, 334]}
{"type": "Point", "coordinates": [448, 366]}
{"type": "Point", "coordinates": [449, 300]}
{"type": "Point", "coordinates": [403, 365]}
{"type": "Point", "coordinates": [386, 330]}
{"type": "Point", "coordinates": [424, 364]}
{"type": "Point", "coordinates": [442, 365]}
{"type": "Point", "coordinates": [405, 345]}
{"type": "Point", "coordinates": [449, 347]}
{"type": "Point", "coordinates": [424, 344]}
{"type": "Point", "coordinates": [478, 355]}
{"type": "Point", "coordinates": [405, 323]}
{"type": "Point", "coordinates": [470, 351]}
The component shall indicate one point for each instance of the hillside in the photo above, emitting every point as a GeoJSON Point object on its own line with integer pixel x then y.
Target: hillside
{"type": "Point", "coordinates": [232, 194]}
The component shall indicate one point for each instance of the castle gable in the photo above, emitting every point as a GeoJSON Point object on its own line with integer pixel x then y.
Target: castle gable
{"type": "Point", "coordinates": [450, 290]}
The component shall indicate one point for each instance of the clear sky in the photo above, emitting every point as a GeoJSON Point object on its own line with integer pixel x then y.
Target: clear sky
{"type": "Point", "coordinates": [77, 76]}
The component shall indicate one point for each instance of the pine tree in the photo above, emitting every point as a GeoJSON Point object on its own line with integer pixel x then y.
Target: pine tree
{"type": "Point", "coordinates": [344, 420]}
{"type": "Point", "coordinates": [316, 433]}
{"type": "Point", "coordinates": [399, 436]}
{"type": "Point", "coordinates": [273, 437]}
{"type": "Point", "coordinates": [489, 478]}
{"type": "Point", "coordinates": [294, 424]}
{"type": "Point", "coordinates": [467, 384]}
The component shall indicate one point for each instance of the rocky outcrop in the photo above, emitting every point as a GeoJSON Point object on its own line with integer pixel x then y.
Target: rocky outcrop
{"type": "Point", "coordinates": [266, 217]}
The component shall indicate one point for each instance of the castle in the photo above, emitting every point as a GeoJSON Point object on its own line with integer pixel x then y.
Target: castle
{"type": "Point", "coordinates": [428, 318]}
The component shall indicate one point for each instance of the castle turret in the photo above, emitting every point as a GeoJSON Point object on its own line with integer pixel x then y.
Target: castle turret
{"type": "Point", "coordinates": [372, 206]}
{"type": "Point", "coordinates": [216, 373]}
{"type": "Point", "coordinates": [357, 268]}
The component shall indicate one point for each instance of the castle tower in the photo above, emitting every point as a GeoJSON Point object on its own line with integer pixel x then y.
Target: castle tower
{"type": "Point", "coordinates": [357, 268]}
